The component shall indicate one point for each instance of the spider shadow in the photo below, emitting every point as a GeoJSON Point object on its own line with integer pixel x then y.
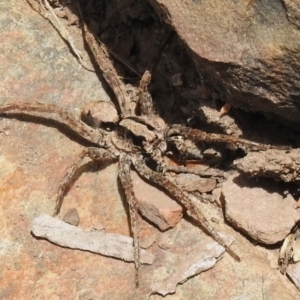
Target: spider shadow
{"type": "Point", "coordinates": [46, 121]}
{"type": "Point", "coordinates": [97, 69]}
{"type": "Point", "coordinates": [87, 167]}
{"type": "Point", "coordinates": [95, 167]}
{"type": "Point", "coordinates": [267, 184]}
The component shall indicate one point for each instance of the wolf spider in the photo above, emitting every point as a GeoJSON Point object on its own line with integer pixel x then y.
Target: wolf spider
{"type": "Point", "coordinates": [138, 140]}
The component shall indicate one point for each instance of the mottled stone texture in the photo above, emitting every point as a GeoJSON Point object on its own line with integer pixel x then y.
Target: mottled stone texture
{"type": "Point", "coordinates": [248, 50]}
{"type": "Point", "coordinates": [258, 209]}
{"type": "Point", "coordinates": [155, 205]}
{"type": "Point", "coordinates": [35, 64]}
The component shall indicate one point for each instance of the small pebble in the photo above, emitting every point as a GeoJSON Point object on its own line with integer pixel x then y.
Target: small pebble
{"type": "Point", "coordinates": [71, 217]}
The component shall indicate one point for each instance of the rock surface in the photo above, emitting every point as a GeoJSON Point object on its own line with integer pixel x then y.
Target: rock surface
{"type": "Point", "coordinates": [199, 256]}
{"type": "Point", "coordinates": [36, 64]}
{"type": "Point", "coordinates": [155, 205]}
{"type": "Point", "coordinates": [259, 209]}
{"type": "Point", "coordinates": [249, 50]}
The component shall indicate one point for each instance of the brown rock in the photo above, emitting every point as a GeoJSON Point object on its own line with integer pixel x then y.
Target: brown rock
{"type": "Point", "coordinates": [258, 209]}
{"type": "Point", "coordinates": [240, 45]}
{"type": "Point", "coordinates": [60, 13]}
{"type": "Point", "coordinates": [155, 205]}
{"type": "Point", "coordinates": [34, 160]}
{"type": "Point", "coordinates": [216, 195]}
{"type": "Point", "coordinates": [95, 113]}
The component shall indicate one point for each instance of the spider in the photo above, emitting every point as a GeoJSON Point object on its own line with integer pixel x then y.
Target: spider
{"type": "Point", "coordinates": [137, 139]}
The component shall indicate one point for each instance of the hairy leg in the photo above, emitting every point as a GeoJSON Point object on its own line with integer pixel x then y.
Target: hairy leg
{"type": "Point", "coordinates": [182, 198]}
{"type": "Point", "coordinates": [197, 135]}
{"type": "Point", "coordinates": [96, 154]}
{"type": "Point", "coordinates": [145, 99]}
{"type": "Point", "coordinates": [66, 118]}
{"type": "Point", "coordinates": [124, 175]}
{"type": "Point", "coordinates": [104, 62]}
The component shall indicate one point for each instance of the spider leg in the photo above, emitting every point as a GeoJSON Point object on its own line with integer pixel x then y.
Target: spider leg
{"type": "Point", "coordinates": [97, 154]}
{"type": "Point", "coordinates": [104, 62]}
{"type": "Point", "coordinates": [67, 118]}
{"type": "Point", "coordinates": [211, 172]}
{"type": "Point", "coordinates": [124, 175]}
{"type": "Point", "coordinates": [197, 135]}
{"type": "Point", "coordinates": [182, 198]}
{"type": "Point", "coordinates": [145, 99]}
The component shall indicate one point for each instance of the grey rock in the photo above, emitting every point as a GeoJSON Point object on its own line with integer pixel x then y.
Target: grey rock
{"type": "Point", "coordinates": [107, 244]}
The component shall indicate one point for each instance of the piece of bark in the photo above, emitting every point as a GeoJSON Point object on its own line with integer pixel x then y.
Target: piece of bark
{"type": "Point", "coordinates": [277, 164]}
{"type": "Point", "coordinates": [69, 236]}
